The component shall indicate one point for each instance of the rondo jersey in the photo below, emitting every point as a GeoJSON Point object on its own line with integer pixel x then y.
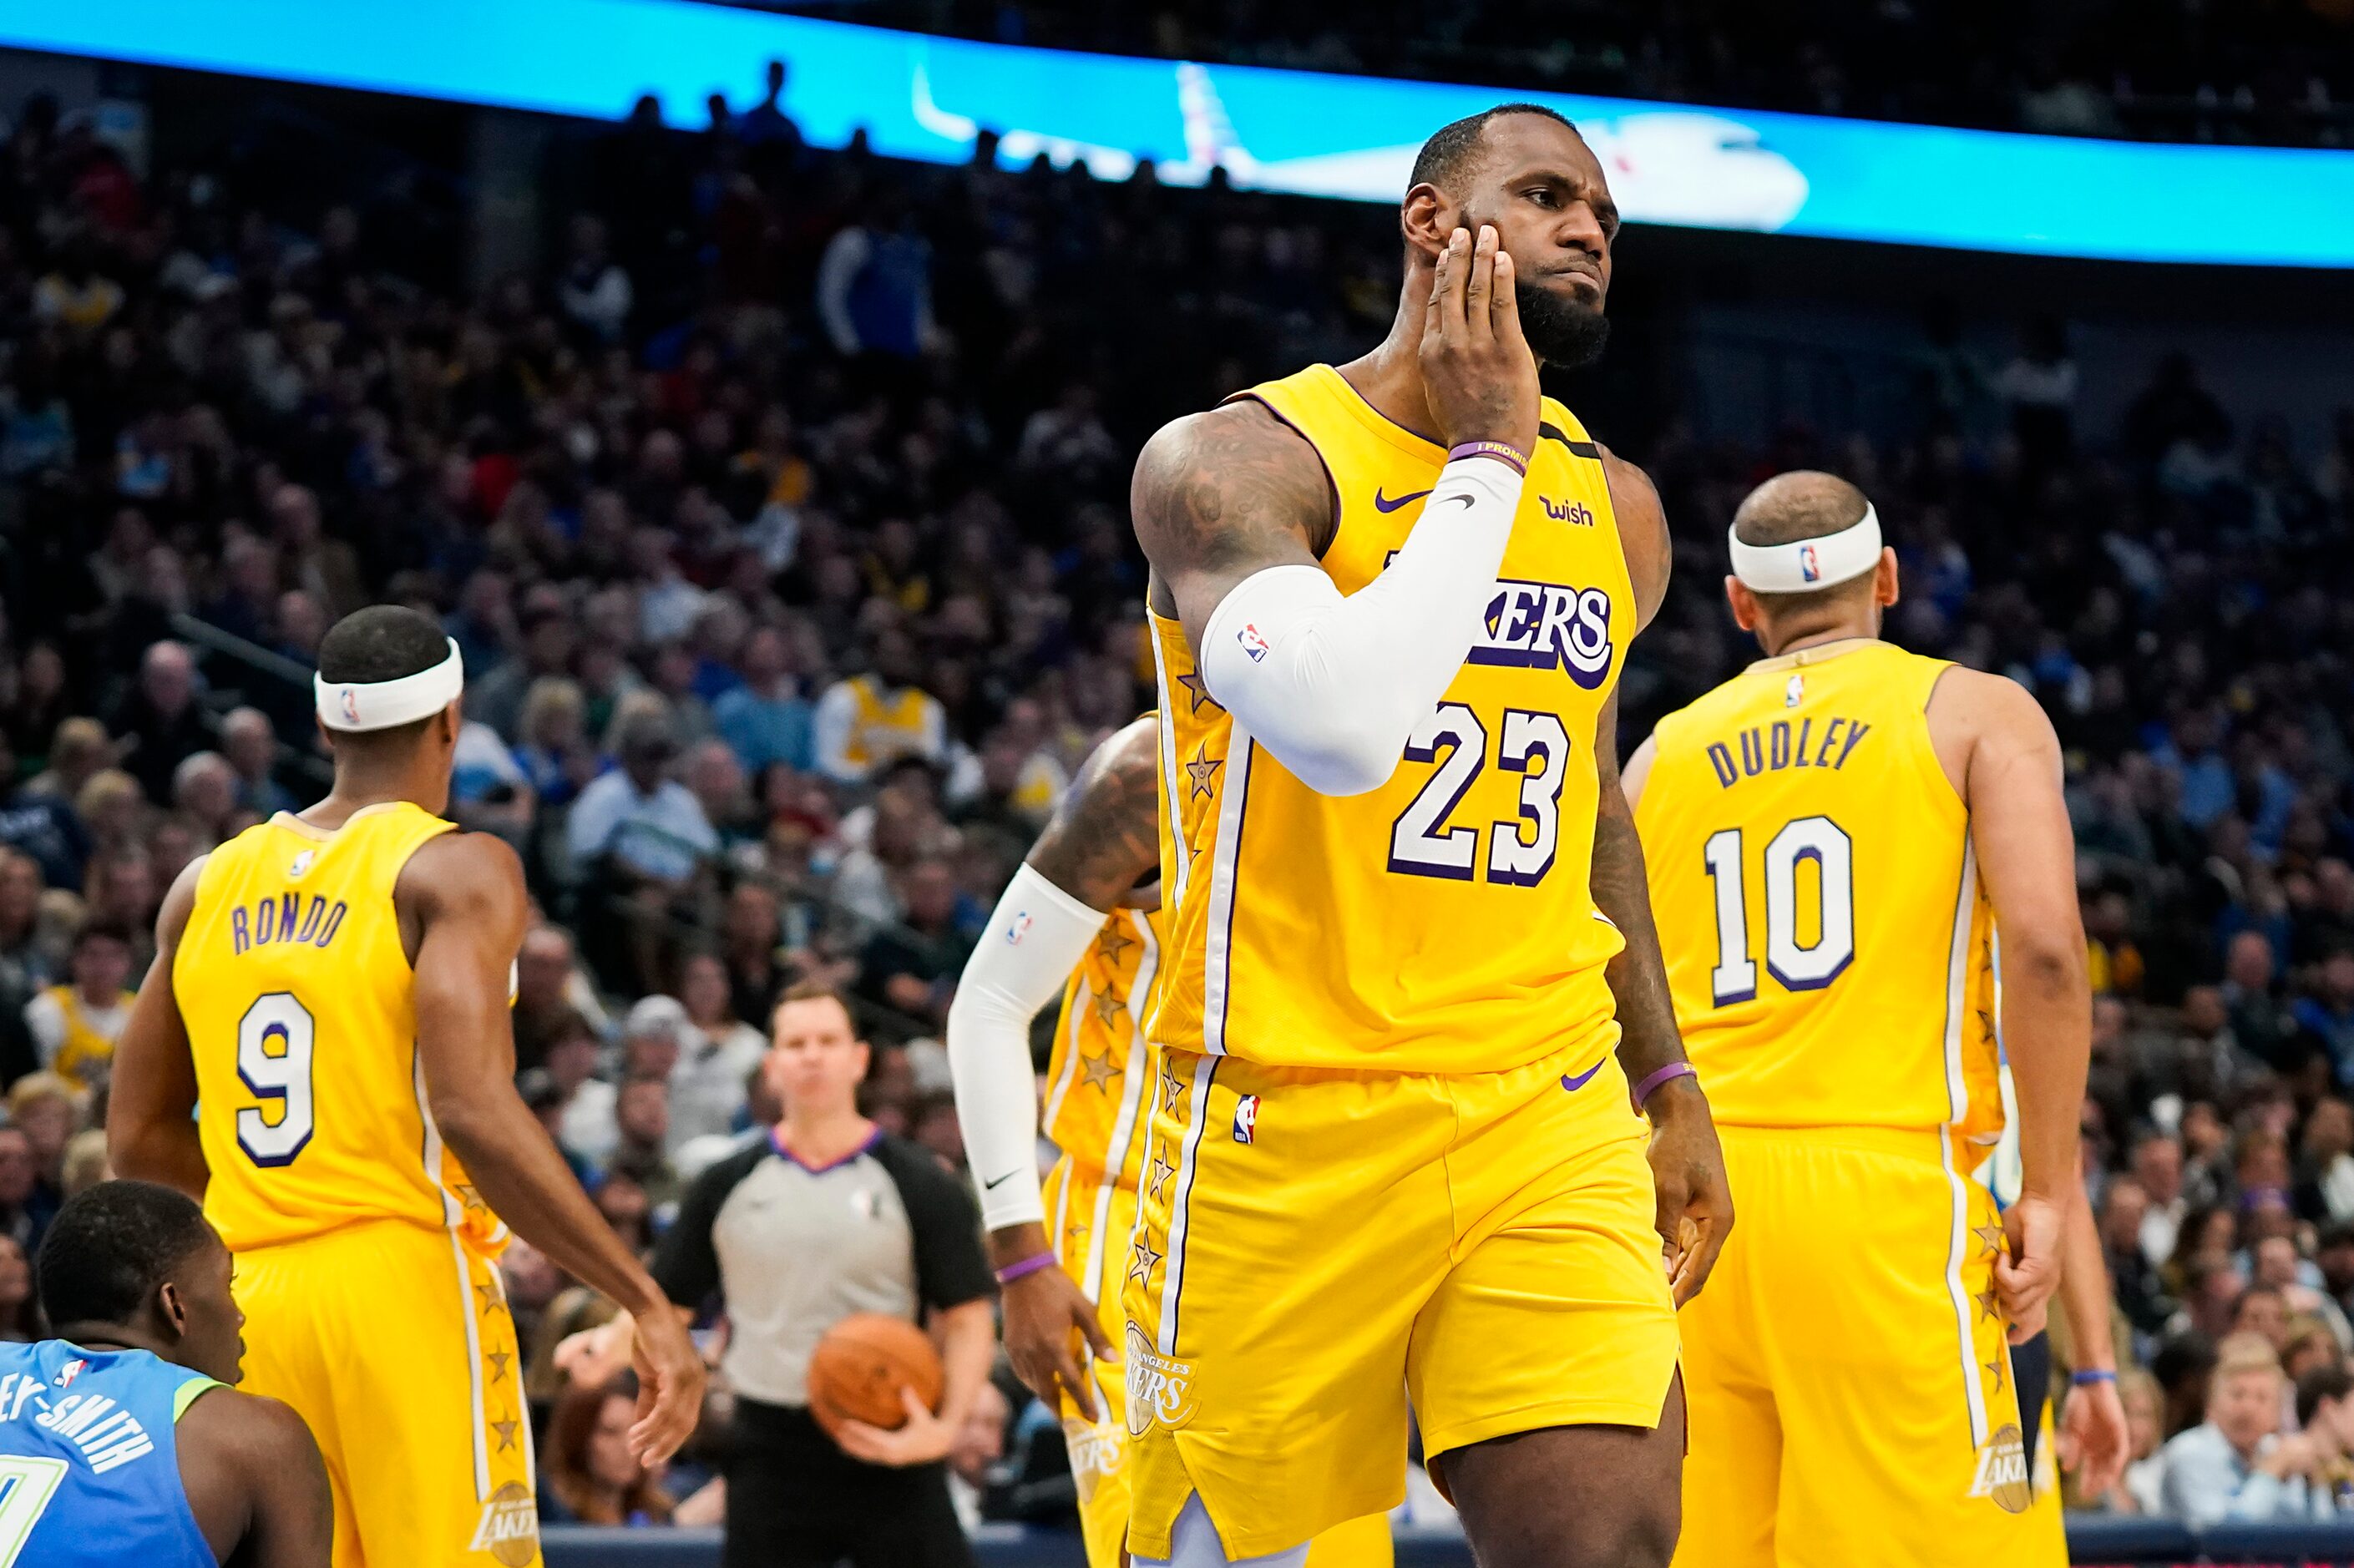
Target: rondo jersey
{"type": "Point", "coordinates": [90, 1473]}
{"type": "Point", "coordinates": [1827, 944]}
{"type": "Point", "coordinates": [296, 992]}
{"type": "Point", "coordinates": [1442, 923]}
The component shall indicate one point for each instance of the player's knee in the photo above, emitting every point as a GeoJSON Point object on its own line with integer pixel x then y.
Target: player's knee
{"type": "Point", "coordinates": [1631, 1535]}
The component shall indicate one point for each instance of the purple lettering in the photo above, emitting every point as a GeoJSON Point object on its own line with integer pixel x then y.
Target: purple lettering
{"type": "Point", "coordinates": [335, 924]}
{"type": "Point", "coordinates": [1823, 756]}
{"type": "Point", "coordinates": [1800, 751]}
{"type": "Point", "coordinates": [1753, 753]}
{"type": "Point", "coordinates": [239, 939]}
{"type": "Point", "coordinates": [1781, 746]}
{"type": "Point", "coordinates": [1855, 732]}
{"type": "Point", "coordinates": [1722, 761]}
{"type": "Point", "coordinates": [265, 921]}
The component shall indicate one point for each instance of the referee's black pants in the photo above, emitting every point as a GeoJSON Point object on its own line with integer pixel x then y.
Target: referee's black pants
{"type": "Point", "coordinates": [795, 1500]}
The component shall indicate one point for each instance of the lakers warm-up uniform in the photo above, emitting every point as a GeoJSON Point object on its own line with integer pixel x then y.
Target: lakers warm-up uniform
{"type": "Point", "coordinates": [1391, 1149]}
{"type": "Point", "coordinates": [1099, 1103]}
{"type": "Point", "coordinates": [363, 1257]}
{"type": "Point", "coordinates": [1829, 951]}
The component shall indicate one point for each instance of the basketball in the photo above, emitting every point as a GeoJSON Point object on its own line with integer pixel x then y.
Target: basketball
{"type": "Point", "coordinates": [861, 1366]}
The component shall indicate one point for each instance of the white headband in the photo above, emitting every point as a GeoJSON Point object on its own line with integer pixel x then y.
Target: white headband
{"type": "Point", "coordinates": [1806, 564]}
{"type": "Point", "coordinates": [388, 705]}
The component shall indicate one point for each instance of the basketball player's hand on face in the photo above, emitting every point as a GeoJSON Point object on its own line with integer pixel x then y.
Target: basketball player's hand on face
{"type": "Point", "coordinates": [1477, 370]}
{"type": "Point", "coordinates": [2095, 1440]}
{"type": "Point", "coordinates": [2027, 1271]}
{"type": "Point", "coordinates": [1045, 1314]}
{"type": "Point", "coordinates": [670, 1386]}
{"type": "Point", "coordinates": [924, 1437]}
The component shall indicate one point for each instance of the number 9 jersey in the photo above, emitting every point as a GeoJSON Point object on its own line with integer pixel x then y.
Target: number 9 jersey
{"type": "Point", "coordinates": [295, 990]}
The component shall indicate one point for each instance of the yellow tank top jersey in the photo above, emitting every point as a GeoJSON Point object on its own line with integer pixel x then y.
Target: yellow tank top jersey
{"type": "Point", "coordinates": [888, 725]}
{"type": "Point", "coordinates": [1100, 1070]}
{"type": "Point", "coordinates": [1829, 946]}
{"type": "Point", "coordinates": [1442, 923]}
{"type": "Point", "coordinates": [86, 1055]}
{"type": "Point", "coordinates": [296, 992]}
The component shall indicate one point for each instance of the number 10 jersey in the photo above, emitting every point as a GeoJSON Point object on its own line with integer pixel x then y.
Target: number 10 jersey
{"type": "Point", "coordinates": [297, 995]}
{"type": "Point", "coordinates": [1443, 922]}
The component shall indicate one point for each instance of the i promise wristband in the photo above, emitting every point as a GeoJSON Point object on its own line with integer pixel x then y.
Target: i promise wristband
{"type": "Point", "coordinates": [2092, 1375]}
{"type": "Point", "coordinates": [1496, 450]}
{"type": "Point", "coordinates": [1014, 1271]}
{"type": "Point", "coordinates": [1650, 1084]}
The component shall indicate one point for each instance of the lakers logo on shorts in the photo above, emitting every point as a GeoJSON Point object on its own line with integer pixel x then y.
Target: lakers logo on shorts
{"type": "Point", "coordinates": [1094, 1448]}
{"type": "Point", "coordinates": [2002, 1471]}
{"type": "Point", "coordinates": [509, 1528]}
{"type": "Point", "coordinates": [1160, 1388]}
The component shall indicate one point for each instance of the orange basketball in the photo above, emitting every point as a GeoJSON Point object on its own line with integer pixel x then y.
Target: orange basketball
{"type": "Point", "coordinates": [861, 1364]}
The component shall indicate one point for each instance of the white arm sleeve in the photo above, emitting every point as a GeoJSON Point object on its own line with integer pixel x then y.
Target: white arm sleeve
{"type": "Point", "coordinates": [1035, 940]}
{"type": "Point", "coordinates": [1333, 685]}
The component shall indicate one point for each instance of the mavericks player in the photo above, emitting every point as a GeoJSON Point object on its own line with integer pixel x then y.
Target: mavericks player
{"type": "Point", "coordinates": [1834, 837]}
{"type": "Point", "coordinates": [123, 1443]}
{"type": "Point", "coordinates": [1410, 982]}
{"type": "Point", "coordinates": [1059, 1250]}
{"type": "Point", "coordinates": [331, 989]}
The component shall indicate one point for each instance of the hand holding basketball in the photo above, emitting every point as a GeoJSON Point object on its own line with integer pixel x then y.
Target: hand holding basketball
{"type": "Point", "coordinates": [873, 1385]}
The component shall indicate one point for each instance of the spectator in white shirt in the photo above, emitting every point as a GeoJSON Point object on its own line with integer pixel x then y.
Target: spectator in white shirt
{"type": "Point", "coordinates": [2237, 1464]}
{"type": "Point", "coordinates": [640, 821]}
{"type": "Point", "coordinates": [594, 289]}
{"type": "Point", "coordinates": [869, 720]}
{"type": "Point", "coordinates": [716, 1049]}
{"type": "Point", "coordinates": [2158, 1166]}
{"type": "Point", "coordinates": [650, 1046]}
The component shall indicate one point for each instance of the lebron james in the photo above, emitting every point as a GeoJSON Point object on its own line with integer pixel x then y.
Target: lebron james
{"type": "Point", "coordinates": [1415, 1037]}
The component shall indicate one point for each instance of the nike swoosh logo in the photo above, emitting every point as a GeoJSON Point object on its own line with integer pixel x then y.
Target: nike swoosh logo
{"type": "Point", "coordinates": [1579, 1081]}
{"type": "Point", "coordinates": [1458, 495]}
{"type": "Point", "coordinates": [1383, 503]}
{"type": "Point", "coordinates": [1001, 1180]}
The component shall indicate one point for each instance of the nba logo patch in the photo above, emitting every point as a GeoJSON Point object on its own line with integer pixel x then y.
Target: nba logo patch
{"type": "Point", "coordinates": [1019, 929]}
{"type": "Point", "coordinates": [1247, 1119]}
{"type": "Point", "coordinates": [1253, 643]}
{"type": "Point", "coordinates": [1809, 566]}
{"type": "Point", "coordinates": [351, 705]}
{"type": "Point", "coordinates": [299, 864]}
{"type": "Point", "coordinates": [68, 1373]}
{"type": "Point", "coordinates": [1794, 692]}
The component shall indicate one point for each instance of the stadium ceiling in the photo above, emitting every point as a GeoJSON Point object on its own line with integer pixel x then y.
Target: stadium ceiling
{"type": "Point", "coordinates": [1346, 137]}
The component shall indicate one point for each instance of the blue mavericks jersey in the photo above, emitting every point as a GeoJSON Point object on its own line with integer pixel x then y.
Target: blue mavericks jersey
{"type": "Point", "coordinates": [90, 1473]}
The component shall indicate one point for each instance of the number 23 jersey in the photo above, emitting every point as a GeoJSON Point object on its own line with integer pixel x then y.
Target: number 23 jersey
{"type": "Point", "coordinates": [1828, 944]}
{"type": "Point", "coordinates": [297, 995]}
{"type": "Point", "coordinates": [1443, 922]}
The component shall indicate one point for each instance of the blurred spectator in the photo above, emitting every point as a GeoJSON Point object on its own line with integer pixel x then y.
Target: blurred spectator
{"type": "Point", "coordinates": [76, 1024]}
{"type": "Point", "coordinates": [875, 283]}
{"type": "Point", "coordinates": [548, 992]}
{"type": "Point", "coordinates": [204, 791]}
{"type": "Point", "coordinates": [866, 721]}
{"type": "Point", "coordinates": [755, 975]}
{"type": "Point", "coordinates": [77, 753]}
{"type": "Point", "coordinates": [635, 819]}
{"type": "Point", "coordinates": [85, 1164]}
{"type": "Point", "coordinates": [2158, 1166]}
{"type": "Point", "coordinates": [26, 1206]}
{"type": "Point", "coordinates": [251, 744]}
{"type": "Point", "coordinates": [911, 966]}
{"type": "Point", "coordinates": [497, 696]}
{"type": "Point", "coordinates": [20, 1313]}
{"type": "Point", "coordinates": [642, 1150]}
{"type": "Point", "coordinates": [715, 1051]}
{"type": "Point", "coordinates": [766, 719]}
{"type": "Point", "coordinates": [594, 289]}
{"type": "Point", "coordinates": [2327, 1013]}
{"type": "Point", "coordinates": [47, 1111]}
{"type": "Point", "coordinates": [554, 750]}
{"type": "Point", "coordinates": [161, 719]}
{"type": "Point", "coordinates": [2237, 1465]}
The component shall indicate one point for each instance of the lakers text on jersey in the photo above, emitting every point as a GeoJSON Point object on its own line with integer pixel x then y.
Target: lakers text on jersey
{"type": "Point", "coordinates": [364, 1256]}
{"type": "Point", "coordinates": [1389, 1144]}
{"type": "Point", "coordinates": [1829, 952]}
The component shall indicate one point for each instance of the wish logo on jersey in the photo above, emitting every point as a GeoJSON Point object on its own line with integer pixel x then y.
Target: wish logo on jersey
{"type": "Point", "coordinates": [1546, 626]}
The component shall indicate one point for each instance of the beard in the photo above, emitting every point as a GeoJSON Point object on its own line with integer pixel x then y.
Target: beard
{"type": "Point", "coordinates": [1565, 331]}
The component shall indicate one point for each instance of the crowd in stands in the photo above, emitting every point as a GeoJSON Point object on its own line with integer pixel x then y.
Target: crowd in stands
{"type": "Point", "coordinates": [779, 522]}
{"type": "Point", "coordinates": [2278, 72]}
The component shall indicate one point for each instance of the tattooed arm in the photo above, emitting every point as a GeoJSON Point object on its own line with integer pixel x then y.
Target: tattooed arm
{"type": "Point", "coordinates": [1099, 845]}
{"type": "Point", "coordinates": [1695, 1209]}
{"type": "Point", "coordinates": [1220, 495]}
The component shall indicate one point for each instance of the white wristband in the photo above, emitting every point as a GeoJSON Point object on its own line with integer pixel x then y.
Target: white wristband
{"type": "Point", "coordinates": [1037, 938]}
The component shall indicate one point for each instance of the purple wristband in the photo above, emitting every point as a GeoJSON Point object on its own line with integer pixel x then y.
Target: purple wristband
{"type": "Point", "coordinates": [1496, 450]}
{"type": "Point", "coordinates": [1014, 1271]}
{"type": "Point", "coordinates": [1644, 1090]}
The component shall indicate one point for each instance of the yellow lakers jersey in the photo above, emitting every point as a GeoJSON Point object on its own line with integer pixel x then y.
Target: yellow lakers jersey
{"type": "Point", "coordinates": [1443, 922]}
{"type": "Point", "coordinates": [1828, 944]}
{"type": "Point", "coordinates": [86, 1056]}
{"type": "Point", "coordinates": [1096, 1074]}
{"type": "Point", "coordinates": [887, 724]}
{"type": "Point", "coordinates": [295, 990]}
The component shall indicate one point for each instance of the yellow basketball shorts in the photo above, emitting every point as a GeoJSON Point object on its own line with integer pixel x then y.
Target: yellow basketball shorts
{"type": "Point", "coordinates": [394, 1342]}
{"type": "Point", "coordinates": [1079, 1211]}
{"type": "Point", "coordinates": [1315, 1247]}
{"type": "Point", "coordinates": [1846, 1372]}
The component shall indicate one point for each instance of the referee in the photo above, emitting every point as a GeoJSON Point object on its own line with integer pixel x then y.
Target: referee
{"type": "Point", "coordinates": [827, 1216]}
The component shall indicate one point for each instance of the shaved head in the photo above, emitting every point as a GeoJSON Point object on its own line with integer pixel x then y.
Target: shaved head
{"type": "Point", "coordinates": [1801, 505]}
